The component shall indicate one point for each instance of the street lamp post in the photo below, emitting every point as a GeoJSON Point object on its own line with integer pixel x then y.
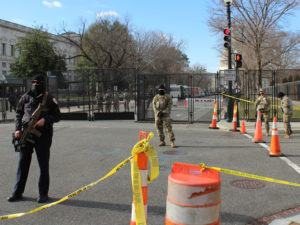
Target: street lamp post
{"type": "Point", "coordinates": [230, 101]}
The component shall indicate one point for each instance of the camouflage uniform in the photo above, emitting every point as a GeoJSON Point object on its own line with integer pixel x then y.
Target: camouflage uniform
{"type": "Point", "coordinates": [162, 104]}
{"type": "Point", "coordinates": [108, 98]}
{"type": "Point", "coordinates": [99, 100]}
{"type": "Point", "coordinates": [116, 102]}
{"type": "Point", "coordinates": [126, 96]}
{"type": "Point", "coordinates": [262, 104]}
{"type": "Point", "coordinates": [287, 109]}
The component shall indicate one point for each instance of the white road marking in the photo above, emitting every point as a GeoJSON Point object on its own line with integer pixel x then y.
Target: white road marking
{"type": "Point", "coordinates": [285, 159]}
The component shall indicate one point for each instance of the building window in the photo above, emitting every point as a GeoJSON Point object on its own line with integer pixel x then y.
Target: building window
{"type": "Point", "coordinates": [12, 50]}
{"type": "Point", "coordinates": [3, 49]}
{"type": "Point", "coordinates": [4, 72]}
{"type": "Point", "coordinates": [3, 64]}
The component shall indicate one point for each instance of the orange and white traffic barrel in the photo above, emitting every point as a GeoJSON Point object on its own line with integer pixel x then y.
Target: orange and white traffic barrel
{"type": "Point", "coordinates": [142, 161]}
{"type": "Point", "coordinates": [193, 196]}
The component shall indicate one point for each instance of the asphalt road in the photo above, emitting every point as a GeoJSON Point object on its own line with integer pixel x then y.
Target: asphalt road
{"type": "Point", "coordinates": [82, 152]}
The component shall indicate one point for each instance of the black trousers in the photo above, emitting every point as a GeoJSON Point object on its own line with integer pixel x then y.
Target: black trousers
{"type": "Point", "coordinates": [42, 150]}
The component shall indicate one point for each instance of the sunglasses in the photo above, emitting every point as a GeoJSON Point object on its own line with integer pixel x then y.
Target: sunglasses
{"type": "Point", "coordinates": [35, 82]}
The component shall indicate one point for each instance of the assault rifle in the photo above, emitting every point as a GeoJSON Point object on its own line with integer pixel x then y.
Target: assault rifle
{"type": "Point", "coordinates": [29, 130]}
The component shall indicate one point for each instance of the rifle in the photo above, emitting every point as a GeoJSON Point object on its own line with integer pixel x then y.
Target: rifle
{"type": "Point", "coordinates": [29, 130]}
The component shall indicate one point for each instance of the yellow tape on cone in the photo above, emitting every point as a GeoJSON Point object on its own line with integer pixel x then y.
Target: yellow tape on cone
{"type": "Point", "coordinates": [142, 146]}
{"type": "Point", "coordinates": [113, 171]}
{"type": "Point", "coordinates": [248, 175]}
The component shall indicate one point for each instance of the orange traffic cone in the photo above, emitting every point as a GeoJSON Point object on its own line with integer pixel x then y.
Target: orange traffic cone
{"type": "Point", "coordinates": [213, 124]}
{"type": "Point", "coordinates": [234, 120]}
{"type": "Point", "coordinates": [243, 128]}
{"type": "Point", "coordinates": [275, 144]}
{"type": "Point", "coordinates": [258, 138]}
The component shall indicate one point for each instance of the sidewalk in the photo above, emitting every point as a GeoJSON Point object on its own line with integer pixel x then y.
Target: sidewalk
{"type": "Point", "coordinates": [287, 217]}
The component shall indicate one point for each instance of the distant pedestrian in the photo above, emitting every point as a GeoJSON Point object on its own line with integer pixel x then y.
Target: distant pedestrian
{"type": "Point", "coordinates": [287, 109]}
{"type": "Point", "coordinates": [162, 104]}
{"type": "Point", "coordinates": [12, 101]}
{"type": "Point", "coordinates": [262, 104]}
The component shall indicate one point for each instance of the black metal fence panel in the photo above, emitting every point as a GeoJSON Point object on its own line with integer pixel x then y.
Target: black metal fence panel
{"type": "Point", "coordinates": [247, 84]}
{"type": "Point", "coordinates": [191, 96]}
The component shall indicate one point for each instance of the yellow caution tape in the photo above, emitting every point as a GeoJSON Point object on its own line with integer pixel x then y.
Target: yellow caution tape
{"type": "Point", "coordinates": [142, 146]}
{"type": "Point", "coordinates": [113, 171]}
{"type": "Point", "coordinates": [248, 175]}
{"type": "Point", "coordinates": [241, 99]}
{"type": "Point", "coordinates": [244, 100]}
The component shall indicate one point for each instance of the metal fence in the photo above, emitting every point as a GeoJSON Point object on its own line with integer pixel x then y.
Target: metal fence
{"type": "Point", "coordinates": [191, 94]}
{"type": "Point", "coordinates": [79, 91]}
{"type": "Point", "coordinates": [96, 91]}
{"type": "Point", "coordinates": [245, 86]}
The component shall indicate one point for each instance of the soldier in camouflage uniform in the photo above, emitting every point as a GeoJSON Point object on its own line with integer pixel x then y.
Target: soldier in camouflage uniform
{"type": "Point", "coordinates": [126, 96]}
{"type": "Point", "coordinates": [116, 102]}
{"type": "Point", "coordinates": [99, 100]}
{"type": "Point", "coordinates": [108, 99]}
{"type": "Point", "coordinates": [262, 104]}
{"type": "Point", "coordinates": [162, 104]}
{"type": "Point", "coordinates": [287, 109]}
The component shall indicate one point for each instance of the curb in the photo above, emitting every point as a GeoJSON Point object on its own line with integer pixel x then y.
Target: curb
{"type": "Point", "coordinates": [287, 213]}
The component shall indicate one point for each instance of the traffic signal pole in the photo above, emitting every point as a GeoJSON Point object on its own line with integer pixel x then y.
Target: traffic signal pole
{"type": "Point", "coordinates": [230, 100]}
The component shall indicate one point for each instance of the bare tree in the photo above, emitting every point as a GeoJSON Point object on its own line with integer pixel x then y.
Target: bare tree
{"type": "Point", "coordinates": [105, 44]}
{"type": "Point", "coordinates": [254, 23]}
{"type": "Point", "coordinates": [158, 52]}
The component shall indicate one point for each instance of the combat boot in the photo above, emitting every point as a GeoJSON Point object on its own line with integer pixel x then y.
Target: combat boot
{"type": "Point", "coordinates": [267, 133]}
{"type": "Point", "coordinates": [172, 144]}
{"type": "Point", "coordinates": [162, 143]}
{"type": "Point", "coordinates": [287, 135]}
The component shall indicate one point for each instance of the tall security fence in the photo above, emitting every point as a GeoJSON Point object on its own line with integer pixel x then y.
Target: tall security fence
{"type": "Point", "coordinates": [122, 93]}
{"type": "Point", "coordinates": [192, 96]}
{"type": "Point", "coordinates": [81, 94]}
{"type": "Point", "coordinates": [97, 91]}
{"type": "Point", "coordinates": [245, 91]}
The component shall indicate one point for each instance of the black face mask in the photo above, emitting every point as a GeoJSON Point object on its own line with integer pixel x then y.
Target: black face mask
{"type": "Point", "coordinates": [161, 92]}
{"type": "Point", "coordinates": [38, 89]}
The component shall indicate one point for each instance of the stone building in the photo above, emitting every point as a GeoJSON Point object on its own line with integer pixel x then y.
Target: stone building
{"type": "Point", "coordinates": [9, 33]}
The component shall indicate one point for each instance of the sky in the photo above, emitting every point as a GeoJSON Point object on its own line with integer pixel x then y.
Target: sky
{"type": "Point", "coordinates": [185, 20]}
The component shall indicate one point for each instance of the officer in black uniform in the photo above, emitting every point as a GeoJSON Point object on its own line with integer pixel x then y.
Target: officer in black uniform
{"type": "Point", "coordinates": [26, 106]}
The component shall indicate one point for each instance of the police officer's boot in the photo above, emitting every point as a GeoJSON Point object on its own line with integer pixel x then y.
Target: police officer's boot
{"type": "Point", "coordinates": [162, 143]}
{"type": "Point", "coordinates": [172, 144]}
{"type": "Point", "coordinates": [15, 197]}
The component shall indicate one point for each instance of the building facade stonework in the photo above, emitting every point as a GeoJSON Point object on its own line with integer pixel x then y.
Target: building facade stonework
{"type": "Point", "coordinates": [9, 34]}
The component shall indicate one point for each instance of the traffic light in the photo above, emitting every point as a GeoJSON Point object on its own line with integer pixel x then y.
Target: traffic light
{"type": "Point", "coordinates": [227, 40]}
{"type": "Point", "coordinates": [238, 60]}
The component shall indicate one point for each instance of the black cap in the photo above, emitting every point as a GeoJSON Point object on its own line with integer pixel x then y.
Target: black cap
{"type": "Point", "coordinates": [281, 94]}
{"type": "Point", "coordinates": [162, 87]}
{"type": "Point", "coordinates": [39, 78]}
